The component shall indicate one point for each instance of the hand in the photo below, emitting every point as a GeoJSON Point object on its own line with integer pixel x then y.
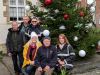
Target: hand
{"type": "Point", "coordinates": [61, 62]}
{"type": "Point", "coordinates": [46, 68]}
{"type": "Point", "coordinates": [9, 54]}
{"type": "Point", "coordinates": [39, 69]}
{"type": "Point", "coordinates": [32, 63]}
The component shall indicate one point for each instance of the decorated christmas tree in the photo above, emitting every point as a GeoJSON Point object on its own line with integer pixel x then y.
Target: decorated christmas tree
{"type": "Point", "coordinates": [69, 18]}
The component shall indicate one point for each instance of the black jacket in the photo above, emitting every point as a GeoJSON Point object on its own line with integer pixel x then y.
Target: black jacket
{"type": "Point", "coordinates": [14, 41]}
{"type": "Point", "coordinates": [46, 56]}
{"type": "Point", "coordinates": [23, 31]}
{"type": "Point", "coordinates": [66, 53]}
{"type": "Point", "coordinates": [36, 29]}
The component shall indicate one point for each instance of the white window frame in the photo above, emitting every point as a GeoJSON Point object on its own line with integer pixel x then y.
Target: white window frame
{"type": "Point", "coordinates": [17, 6]}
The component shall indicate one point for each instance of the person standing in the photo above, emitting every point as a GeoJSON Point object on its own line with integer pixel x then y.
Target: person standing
{"type": "Point", "coordinates": [35, 26]}
{"type": "Point", "coordinates": [24, 29]}
{"type": "Point", "coordinates": [46, 58]}
{"type": "Point", "coordinates": [14, 43]}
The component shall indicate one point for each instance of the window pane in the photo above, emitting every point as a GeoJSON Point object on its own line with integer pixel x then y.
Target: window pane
{"type": "Point", "coordinates": [20, 2]}
{"type": "Point", "coordinates": [21, 12]}
{"type": "Point", "coordinates": [12, 2]}
{"type": "Point", "coordinates": [13, 13]}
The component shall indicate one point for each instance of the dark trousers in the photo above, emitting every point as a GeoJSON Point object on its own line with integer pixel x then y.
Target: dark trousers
{"type": "Point", "coordinates": [29, 69]}
{"type": "Point", "coordinates": [17, 59]}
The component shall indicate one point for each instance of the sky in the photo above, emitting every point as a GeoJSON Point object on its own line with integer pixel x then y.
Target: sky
{"type": "Point", "coordinates": [89, 1]}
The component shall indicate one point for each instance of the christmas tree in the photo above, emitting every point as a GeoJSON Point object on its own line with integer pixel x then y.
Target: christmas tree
{"type": "Point", "coordinates": [69, 18]}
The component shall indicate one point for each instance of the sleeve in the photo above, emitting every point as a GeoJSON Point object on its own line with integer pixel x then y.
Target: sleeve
{"type": "Point", "coordinates": [54, 58]}
{"type": "Point", "coordinates": [71, 57]}
{"type": "Point", "coordinates": [8, 43]}
{"type": "Point", "coordinates": [27, 61]}
{"type": "Point", "coordinates": [71, 50]}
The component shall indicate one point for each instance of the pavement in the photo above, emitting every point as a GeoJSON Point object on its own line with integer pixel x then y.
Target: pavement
{"type": "Point", "coordinates": [86, 67]}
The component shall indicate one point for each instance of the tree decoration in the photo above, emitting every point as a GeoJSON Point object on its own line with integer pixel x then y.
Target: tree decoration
{"type": "Point", "coordinates": [66, 16]}
{"type": "Point", "coordinates": [81, 13]}
{"type": "Point", "coordinates": [46, 32]}
{"type": "Point", "coordinates": [82, 53]}
{"type": "Point", "coordinates": [75, 38]}
{"type": "Point", "coordinates": [48, 2]}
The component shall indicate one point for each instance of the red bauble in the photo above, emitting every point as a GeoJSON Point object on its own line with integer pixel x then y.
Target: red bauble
{"type": "Point", "coordinates": [48, 2]}
{"type": "Point", "coordinates": [66, 16]}
{"type": "Point", "coordinates": [81, 13]}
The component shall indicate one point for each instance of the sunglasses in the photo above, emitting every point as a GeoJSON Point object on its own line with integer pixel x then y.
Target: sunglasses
{"type": "Point", "coordinates": [34, 21]}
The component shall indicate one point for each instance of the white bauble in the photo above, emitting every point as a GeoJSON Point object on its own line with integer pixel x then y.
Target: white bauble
{"type": "Point", "coordinates": [56, 11]}
{"type": "Point", "coordinates": [75, 38]}
{"type": "Point", "coordinates": [27, 7]}
{"type": "Point", "coordinates": [98, 43]}
{"type": "Point", "coordinates": [62, 27]}
{"type": "Point", "coordinates": [82, 53]}
{"type": "Point", "coordinates": [46, 32]}
{"type": "Point", "coordinates": [92, 9]}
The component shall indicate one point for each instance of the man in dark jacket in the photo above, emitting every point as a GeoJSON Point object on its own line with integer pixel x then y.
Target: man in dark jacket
{"type": "Point", "coordinates": [24, 29]}
{"type": "Point", "coordinates": [46, 58]}
{"type": "Point", "coordinates": [15, 47]}
{"type": "Point", "coordinates": [36, 27]}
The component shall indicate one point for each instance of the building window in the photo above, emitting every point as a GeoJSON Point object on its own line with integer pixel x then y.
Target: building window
{"type": "Point", "coordinates": [16, 9]}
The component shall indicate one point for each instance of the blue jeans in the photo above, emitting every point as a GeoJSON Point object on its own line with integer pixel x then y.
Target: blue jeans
{"type": "Point", "coordinates": [30, 69]}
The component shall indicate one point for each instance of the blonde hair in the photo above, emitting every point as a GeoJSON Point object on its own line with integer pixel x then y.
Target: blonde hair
{"type": "Point", "coordinates": [65, 38]}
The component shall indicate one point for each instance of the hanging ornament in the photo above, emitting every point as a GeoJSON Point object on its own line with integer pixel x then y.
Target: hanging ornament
{"type": "Point", "coordinates": [66, 16]}
{"type": "Point", "coordinates": [46, 33]}
{"type": "Point", "coordinates": [56, 11]}
{"type": "Point", "coordinates": [92, 9]}
{"type": "Point", "coordinates": [81, 13]}
{"type": "Point", "coordinates": [75, 38]}
{"type": "Point", "coordinates": [82, 53]}
{"type": "Point", "coordinates": [98, 43]}
{"type": "Point", "coordinates": [27, 7]}
{"type": "Point", "coordinates": [62, 27]}
{"type": "Point", "coordinates": [48, 2]}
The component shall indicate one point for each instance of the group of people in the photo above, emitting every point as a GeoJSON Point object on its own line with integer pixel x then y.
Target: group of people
{"type": "Point", "coordinates": [32, 53]}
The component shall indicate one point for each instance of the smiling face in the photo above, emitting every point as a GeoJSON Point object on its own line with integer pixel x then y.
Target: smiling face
{"type": "Point", "coordinates": [61, 40]}
{"type": "Point", "coordinates": [47, 42]}
{"type": "Point", "coordinates": [26, 19]}
{"type": "Point", "coordinates": [34, 22]}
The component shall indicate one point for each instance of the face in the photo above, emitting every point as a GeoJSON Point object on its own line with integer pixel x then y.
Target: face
{"type": "Point", "coordinates": [26, 19]}
{"type": "Point", "coordinates": [61, 40]}
{"type": "Point", "coordinates": [34, 39]}
{"type": "Point", "coordinates": [46, 42]}
{"type": "Point", "coordinates": [34, 22]}
{"type": "Point", "coordinates": [14, 25]}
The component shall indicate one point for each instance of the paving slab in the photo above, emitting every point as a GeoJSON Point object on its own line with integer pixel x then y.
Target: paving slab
{"type": "Point", "coordinates": [3, 70]}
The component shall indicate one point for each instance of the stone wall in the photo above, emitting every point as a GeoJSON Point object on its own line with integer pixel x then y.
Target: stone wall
{"type": "Point", "coordinates": [3, 20]}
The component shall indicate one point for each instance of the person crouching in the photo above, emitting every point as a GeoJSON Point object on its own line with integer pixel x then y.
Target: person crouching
{"type": "Point", "coordinates": [30, 52]}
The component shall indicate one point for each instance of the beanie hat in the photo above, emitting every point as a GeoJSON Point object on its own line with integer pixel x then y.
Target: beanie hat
{"type": "Point", "coordinates": [33, 34]}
